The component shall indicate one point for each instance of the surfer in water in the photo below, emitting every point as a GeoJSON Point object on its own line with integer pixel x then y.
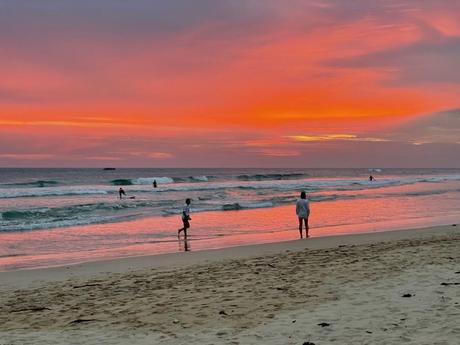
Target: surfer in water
{"type": "Point", "coordinates": [155, 184]}
{"type": "Point", "coordinates": [121, 192]}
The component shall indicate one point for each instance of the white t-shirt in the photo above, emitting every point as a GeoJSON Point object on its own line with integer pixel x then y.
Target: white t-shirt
{"type": "Point", "coordinates": [302, 208]}
{"type": "Point", "coordinates": [186, 212]}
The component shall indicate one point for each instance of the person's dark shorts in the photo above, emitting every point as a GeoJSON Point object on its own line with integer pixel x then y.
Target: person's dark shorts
{"type": "Point", "coordinates": [186, 223]}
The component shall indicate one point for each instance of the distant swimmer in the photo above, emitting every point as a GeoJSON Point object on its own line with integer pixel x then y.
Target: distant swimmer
{"type": "Point", "coordinates": [121, 192]}
{"type": "Point", "coordinates": [302, 210]}
{"type": "Point", "coordinates": [155, 184]}
{"type": "Point", "coordinates": [185, 218]}
{"type": "Point", "coordinates": [371, 178]}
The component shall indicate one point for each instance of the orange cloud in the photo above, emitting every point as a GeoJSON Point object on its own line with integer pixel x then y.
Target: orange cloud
{"type": "Point", "coordinates": [261, 72]}
{"type": "Point", "coordinates": [333, 137]}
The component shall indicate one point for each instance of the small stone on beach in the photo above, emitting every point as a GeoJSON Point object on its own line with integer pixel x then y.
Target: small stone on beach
{"type": "Point", "coordinates": [407, 295]}
{"type": "Point", "coordinates": [81, 321]}
{"type": "Point", "coordinates": [324, 324]}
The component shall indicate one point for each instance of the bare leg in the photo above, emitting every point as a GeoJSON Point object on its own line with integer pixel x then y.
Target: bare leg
{"type": "Point", "coordinates": [306, 228]}
{"type": "Point", "coordinates": [300, 227]}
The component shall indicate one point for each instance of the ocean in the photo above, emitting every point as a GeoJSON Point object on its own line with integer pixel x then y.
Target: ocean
{"type": "Point", "coordinates": [61, 216]}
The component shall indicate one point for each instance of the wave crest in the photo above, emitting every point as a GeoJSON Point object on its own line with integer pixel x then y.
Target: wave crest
{"type": "Point", "coordinates": [38, 183]}
{"type": "Point", "coordinates": [263, 177]}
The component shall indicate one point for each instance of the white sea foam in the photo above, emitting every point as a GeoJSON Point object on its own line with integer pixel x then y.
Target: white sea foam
{"type": "Point", "coordinates": [50, 207]}
{"type": "Point", "coordinates": [200, 178]}
{"type": "Point", "coordinates": [53, 191]}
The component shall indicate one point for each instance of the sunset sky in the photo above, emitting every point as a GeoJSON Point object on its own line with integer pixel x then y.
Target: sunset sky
{"type": "Point", "coordinates": [230, 83]}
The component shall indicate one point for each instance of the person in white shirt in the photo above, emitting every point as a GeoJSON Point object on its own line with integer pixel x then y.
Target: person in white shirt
{"type": "Point", "coordinates": [302, 210]}
{"type": "Point", "coordinates": [185, 218]}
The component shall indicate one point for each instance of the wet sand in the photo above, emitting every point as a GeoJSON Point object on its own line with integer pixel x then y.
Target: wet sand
{"type": "Point", "coordinates": [380, 288]}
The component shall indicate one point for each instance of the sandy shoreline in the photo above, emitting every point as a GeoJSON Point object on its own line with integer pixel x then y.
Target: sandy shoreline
{"type": "Point", "coordinates": [271, 294]}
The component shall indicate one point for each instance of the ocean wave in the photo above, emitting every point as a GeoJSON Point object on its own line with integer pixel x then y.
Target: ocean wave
{"type": "Point", "coordinates": [144, 186]}
{"type": "Point", "coordinates": [241, 206]}
{"type": "Point", "coordinates": [46, 217]}
{"type": "Point", "coordinates": [199, 178]}
{"type": "Point", "coordinates": [167, 205]}
{"type": "Point", "coordinates": [73, 210]}
{"type": "Point", "coordinates": [50, 213]}
{"type": "Point", "coordinates": [309, 185]}
{"type": "Point", "coordinates": [38, 183]}
{"type": "Point", "coordinates": [149, 180]}
{"type": "Point", "coordinates": [38, 224]}
{"type": "Point", "coordinates": [264, 177]}
{"type": "Point", "coordinates": [122, 182]}
{"type": "Point", "coordinates": [141, 181]}
{"type": "Point", "coordinates": [20, 193]}
{"type": "Point", "coordinates": [160, 180]}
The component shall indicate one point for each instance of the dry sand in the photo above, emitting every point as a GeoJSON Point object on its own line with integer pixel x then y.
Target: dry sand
{"type": "Point", "coordinates": [343, 290]}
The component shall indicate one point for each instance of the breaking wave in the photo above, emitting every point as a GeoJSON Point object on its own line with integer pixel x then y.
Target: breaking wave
{"type": "Point", "coordinates": [122, 182]}
{"type": "Point", "coordinates": [264, 177]}
{"type": "Point", "coordinates": [20, 193]}
{"type": "Point", "coordinates": [160, 180]}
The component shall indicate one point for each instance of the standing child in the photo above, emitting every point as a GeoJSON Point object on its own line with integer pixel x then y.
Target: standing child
{"type": "Point", "coordinates": [303, 212]}
{"type": "Point", "coordinates": [185, 218]}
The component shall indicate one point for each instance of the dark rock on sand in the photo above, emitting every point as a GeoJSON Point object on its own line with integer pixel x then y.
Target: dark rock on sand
{"type": "Point", "coordinates": [324, 324]}
{"type": "Point", "coordinates": [407, 295]}
{"type": "Point", "coordinates": [31, 309]}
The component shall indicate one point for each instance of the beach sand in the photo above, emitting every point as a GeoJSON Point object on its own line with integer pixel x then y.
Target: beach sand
{"type": "Point", "coordinates": [400, 287]}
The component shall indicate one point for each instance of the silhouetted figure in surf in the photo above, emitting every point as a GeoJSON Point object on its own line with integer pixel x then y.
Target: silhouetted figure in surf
{"type": "Point", "coordinates": [302, 210]}
{"type": "Point", "coordinates": [121, 192]}
{"type": "Point", "coordinates": [155, 184]}
{"type": "Point", "coordinates": [185, 218]}
{"type": "Point", "coordinates": [371, 178]}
